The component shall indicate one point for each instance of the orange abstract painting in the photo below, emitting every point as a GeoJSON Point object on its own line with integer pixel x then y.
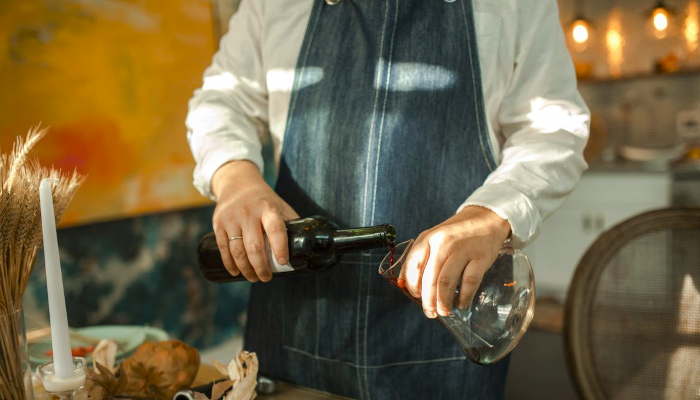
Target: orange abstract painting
{"type": "Point", "coordinates": [111, 78]}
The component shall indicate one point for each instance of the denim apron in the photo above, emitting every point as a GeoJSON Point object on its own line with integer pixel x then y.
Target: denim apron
{"type": "Point", "coordinates": [386, 125]}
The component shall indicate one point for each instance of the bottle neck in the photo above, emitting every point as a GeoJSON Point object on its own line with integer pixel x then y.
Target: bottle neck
{"type": "Point", "coordinates": [371, 237]}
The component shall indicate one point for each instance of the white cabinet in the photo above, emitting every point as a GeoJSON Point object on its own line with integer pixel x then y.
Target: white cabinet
{"type": "Point", "coordinates": [601, 201]}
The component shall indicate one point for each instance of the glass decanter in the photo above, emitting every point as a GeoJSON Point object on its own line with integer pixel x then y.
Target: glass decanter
{"type": "Point", "coordinates": [498, 315]}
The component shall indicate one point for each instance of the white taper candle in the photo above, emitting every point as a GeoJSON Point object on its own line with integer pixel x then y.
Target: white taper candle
{"type": "Point", "coordinates": [60, 339]}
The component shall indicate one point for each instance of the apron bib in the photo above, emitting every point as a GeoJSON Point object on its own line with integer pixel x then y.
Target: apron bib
{"type": "Point", "coordinates": [386, 125]}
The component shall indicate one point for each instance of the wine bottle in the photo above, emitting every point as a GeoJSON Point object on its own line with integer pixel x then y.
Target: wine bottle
{"type": "Point", "coordinates": [315, 243]}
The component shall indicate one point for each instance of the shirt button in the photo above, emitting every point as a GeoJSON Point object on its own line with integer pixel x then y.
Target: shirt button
{"type": "Point", "coordinates": [332, 2]}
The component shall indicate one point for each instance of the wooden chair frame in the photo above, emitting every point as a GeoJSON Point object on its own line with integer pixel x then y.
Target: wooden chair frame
{"type": "Point", "coordinates": [585, 281]}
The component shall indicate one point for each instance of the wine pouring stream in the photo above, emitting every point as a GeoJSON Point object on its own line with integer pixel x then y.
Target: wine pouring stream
{"type": "Point", "coordinates": [498, 315]}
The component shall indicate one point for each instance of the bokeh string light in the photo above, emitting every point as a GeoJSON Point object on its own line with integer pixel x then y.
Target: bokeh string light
{"type": "Point", "coordinates": [691, 26]}
{"type": "Point", "coordinates": [615, 42]}
{"type": "Point", "coordinates": [661, 20]}
{"type": "Point", "coordinates": [580, 28]}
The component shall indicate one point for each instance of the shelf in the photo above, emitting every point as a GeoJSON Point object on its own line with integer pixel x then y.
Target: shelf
{"type": "Point", "coordinates": [640, 76]}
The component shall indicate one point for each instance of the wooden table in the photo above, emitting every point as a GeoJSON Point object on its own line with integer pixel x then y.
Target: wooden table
{"type": "Point", "coordinates": [549, 316]}
{"type": "Point", "coordinates": [285, 391]}
{"type": "Point", "coordinates": [208, 373]}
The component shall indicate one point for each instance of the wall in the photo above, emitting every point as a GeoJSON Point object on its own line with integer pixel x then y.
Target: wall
{"type": "Point", "coordinates": [112, 80]}
{"type": "Point", "coordinates": [138, 270]}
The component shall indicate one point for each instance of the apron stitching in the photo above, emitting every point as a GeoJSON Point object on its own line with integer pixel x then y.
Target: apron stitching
{"type": "Point", "coordinates": [318, 319]}
{"type": "Point", "coordinates": [357, 329]}
{"type": "Point", "coordinates": [386, 97]}
{"type": "Point", "coordinates": [374, 112]}
{"type": "Point", "coordinates": [369, 281]}
{"type": "Point", "coordinates": [436, 360]}
{"type": "Point", "coordinates": [318, 331]}
{"type": "Point", "coordinates": [376, 169]}
{"type": "Point", "coordinates": [291, 112]}
{"type": "Point", "coordinates": [477, 86]}
{"type": "Point", "coordinates": [303, 68]}
{"type": "Point", "coordinates": [358, 367]}
{"type": "Point", "coordinates": [364, 207]}
{"type": "Point", "coordinates": [284, 316]}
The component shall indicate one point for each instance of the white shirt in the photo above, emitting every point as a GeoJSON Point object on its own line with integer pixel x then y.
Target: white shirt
{"type": "Point", "coordinates": [538, 122]}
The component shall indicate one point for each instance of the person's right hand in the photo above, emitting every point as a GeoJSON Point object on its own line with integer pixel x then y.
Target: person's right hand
{"type": "Point", "coordinates": [247, 207]}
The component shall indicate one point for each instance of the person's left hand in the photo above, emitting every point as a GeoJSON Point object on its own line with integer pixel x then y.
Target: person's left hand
{"type": "Point", "coordinates": [457, 252]}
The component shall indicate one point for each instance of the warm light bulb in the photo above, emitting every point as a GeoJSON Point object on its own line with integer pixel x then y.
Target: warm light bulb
{"type": "Point", "coordinates": [580, 31]}
{"type": "Point", "coordinates": [691, 29]}
{"type": "Point", "coordinates": [615, 42]}
{"type": "Point", "coordinates": [660, 17]}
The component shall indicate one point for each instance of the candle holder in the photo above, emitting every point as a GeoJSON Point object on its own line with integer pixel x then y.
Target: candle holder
{"type": "Point", "coordinates": [63, 386]}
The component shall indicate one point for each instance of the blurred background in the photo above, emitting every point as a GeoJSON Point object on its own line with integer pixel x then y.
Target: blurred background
{"type": "Point", "coordinates": [112, 79]}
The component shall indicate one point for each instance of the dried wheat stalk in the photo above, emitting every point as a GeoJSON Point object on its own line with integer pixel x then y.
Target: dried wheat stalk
{"type": "Point", "coordinates": [20, 238]}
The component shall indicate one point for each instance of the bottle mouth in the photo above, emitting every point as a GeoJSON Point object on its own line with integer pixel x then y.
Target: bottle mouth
{"type": "Point", "coordinates": [391, 235]}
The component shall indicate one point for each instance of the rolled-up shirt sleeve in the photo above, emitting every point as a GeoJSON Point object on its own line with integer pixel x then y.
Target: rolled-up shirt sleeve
{"type": "Point", "coordinates": [228, 113]}
{"type": "Point", "coordinates": [545, 126]}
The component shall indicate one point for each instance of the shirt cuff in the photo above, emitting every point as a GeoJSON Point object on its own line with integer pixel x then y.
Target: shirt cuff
{"type": "Point", "coordinates": [511, 205]}
{"type": "Point", "coordinates": [205, 170]}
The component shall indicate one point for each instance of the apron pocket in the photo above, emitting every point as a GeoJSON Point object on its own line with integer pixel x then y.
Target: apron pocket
{"type": "Point", "coordinates": [299, 314]}
{"type": "Point", "coordinates": [320, 311]}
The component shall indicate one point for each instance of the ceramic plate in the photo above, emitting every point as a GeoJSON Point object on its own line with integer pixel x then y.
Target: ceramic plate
{"type": "Point", "coordinates": [130, 336]}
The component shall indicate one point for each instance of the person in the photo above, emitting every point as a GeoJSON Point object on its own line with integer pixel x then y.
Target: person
{"type": "Point", "coordinates": [457, 121]}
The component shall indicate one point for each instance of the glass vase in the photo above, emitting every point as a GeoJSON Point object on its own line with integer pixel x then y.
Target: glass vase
{"type": "Point", "coordinates": [15, 371]}
{"type": "Point", "coordinates": [498, 315]}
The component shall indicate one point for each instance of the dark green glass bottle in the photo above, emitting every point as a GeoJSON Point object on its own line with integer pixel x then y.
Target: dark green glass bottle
{"type": "Point", "coordinates": [315, 243]}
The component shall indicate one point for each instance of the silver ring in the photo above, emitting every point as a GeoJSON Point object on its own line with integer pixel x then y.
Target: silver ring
{"type": "Point", "coordinates": [234, 238]}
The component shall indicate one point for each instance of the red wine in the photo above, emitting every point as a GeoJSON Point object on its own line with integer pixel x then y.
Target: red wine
{"type": "Point", "coordinates": [315, 244]}
{"type": "Point", "coordinates": [400, 284]}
